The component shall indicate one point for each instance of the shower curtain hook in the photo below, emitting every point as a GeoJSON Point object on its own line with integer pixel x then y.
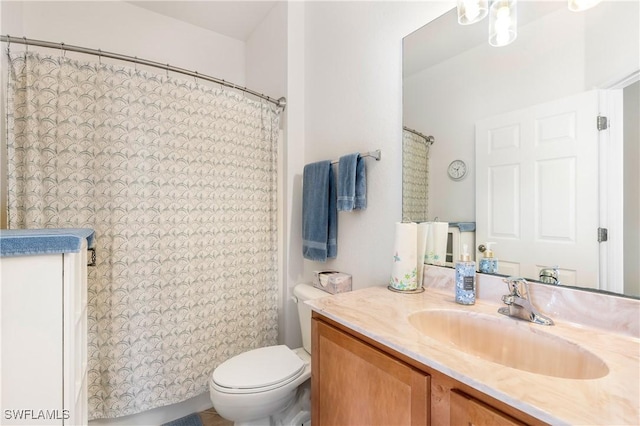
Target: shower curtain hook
{"type": "Point", "coordinates": [167, 70]}
{"type": "Point", "coordinates": [100, 56]}
{"type": "Point", "coordinates": [8, 44]}
{"type": "Point", "coordinates": [135, 63]}
{"type": "Point", "coordinates": [64, 52]}
{"type": "Point", "coordinates": [26, 45]}
{"type": "Point", "coordinates": [195, 77]}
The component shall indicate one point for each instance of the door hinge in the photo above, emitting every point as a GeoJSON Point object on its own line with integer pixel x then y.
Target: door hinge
{"type": "Point", "coordinates": [601, 123]}
{"type": "Point", "coordinates": [603, 235]}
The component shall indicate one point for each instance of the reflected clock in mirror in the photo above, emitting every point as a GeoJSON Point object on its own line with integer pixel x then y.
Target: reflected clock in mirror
{"type": "Point", "coordinates": [542, 186]}
{"type": "Point", "coordinates": [457, 170]}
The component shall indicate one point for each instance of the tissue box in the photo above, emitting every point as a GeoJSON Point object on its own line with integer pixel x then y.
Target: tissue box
{"type": "Point", "coordinates": [332, 281]}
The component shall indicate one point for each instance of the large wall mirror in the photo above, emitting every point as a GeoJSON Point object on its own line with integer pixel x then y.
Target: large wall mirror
{"type": "Point", "coordinates": [538, 184]}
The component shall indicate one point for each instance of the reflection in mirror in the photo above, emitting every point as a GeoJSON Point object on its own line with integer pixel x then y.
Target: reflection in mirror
{"type": "Point", "coordinates": [415, 175]}
{"type": "Point", "coordinates": [503, 111]}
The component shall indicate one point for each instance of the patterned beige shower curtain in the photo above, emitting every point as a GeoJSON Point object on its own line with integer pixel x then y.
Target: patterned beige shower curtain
{"type": "Point", "coordinates": [415, 177]}
{"type": "Point", "coordinates": [178, 180]}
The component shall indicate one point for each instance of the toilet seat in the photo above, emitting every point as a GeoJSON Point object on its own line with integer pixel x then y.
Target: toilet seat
{"type": "Point", "coordinates": [258, 370]}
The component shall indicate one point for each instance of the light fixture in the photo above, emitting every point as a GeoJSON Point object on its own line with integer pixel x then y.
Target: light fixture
{"type": "Point", "coordinates": [503, 22]}
{"type": "Point", "coordinates": [577, 5]}
{"type": "Point", "coordinates": [503, 18]}
{"type": "Point", "coordinates": [472, 11]}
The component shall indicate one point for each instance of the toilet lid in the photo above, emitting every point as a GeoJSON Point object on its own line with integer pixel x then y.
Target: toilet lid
{"type": "Point", "coordinates": [259, 368]}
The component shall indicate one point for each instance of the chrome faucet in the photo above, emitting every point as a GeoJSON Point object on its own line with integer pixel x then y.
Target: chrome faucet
{"type": "Point", "coordinates": [518, 302]}
{"type": "Point", "coordinates": [550, 275]}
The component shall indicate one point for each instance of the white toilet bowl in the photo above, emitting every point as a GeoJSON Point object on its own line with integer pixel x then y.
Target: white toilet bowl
{"type": "Point", "coordinates": [256, 396]}
{"type": "Point", "coordinates": [260, 387]}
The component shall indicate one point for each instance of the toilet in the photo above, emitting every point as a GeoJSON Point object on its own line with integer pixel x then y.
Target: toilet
{"type": "Point", "coordinates": [270, 385]}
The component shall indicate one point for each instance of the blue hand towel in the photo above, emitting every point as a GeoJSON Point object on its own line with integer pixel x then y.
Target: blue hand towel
{"type": "Point", "coordinates": [352, 183]}
{"type": "Point", "coordinates": [361, 185]}
{"type": "Point", "coordinates": [319, 214]}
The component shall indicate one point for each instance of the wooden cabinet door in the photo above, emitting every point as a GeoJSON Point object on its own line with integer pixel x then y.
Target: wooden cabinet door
{"type": "Point", "coordinates": [466, 411]}
{"type": "Point", "coordinates": [354, 383]}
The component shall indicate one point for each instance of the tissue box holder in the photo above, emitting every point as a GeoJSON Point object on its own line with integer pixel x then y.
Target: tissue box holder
{"type": "Point", "coordinates": [333, 282]}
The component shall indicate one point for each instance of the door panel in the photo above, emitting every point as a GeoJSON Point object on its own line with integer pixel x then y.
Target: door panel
{"type": "Point", "coordinates": [537, 168]}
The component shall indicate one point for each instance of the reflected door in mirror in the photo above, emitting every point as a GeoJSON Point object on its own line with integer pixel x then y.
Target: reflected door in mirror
{"type": "Point", "coordinates": [536, 169]}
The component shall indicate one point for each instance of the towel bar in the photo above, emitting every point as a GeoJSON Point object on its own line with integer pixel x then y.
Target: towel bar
{"type": "Point", "coordinates": [377, 154]}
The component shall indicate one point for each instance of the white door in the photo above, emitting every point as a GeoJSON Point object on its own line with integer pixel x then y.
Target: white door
{"type": "Point", "coordinates": [536, 169]}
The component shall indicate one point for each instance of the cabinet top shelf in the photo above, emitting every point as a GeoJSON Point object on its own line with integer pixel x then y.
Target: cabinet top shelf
{"type": "Point", "coordinates": [24, 242]}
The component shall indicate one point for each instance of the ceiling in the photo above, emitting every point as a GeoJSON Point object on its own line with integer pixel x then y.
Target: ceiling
{"type": "Point", "coordinates": [235, 19]}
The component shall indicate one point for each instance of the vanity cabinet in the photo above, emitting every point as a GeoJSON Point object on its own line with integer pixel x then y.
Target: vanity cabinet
{"type": "Point", "coordinates": [353, 383]}
{"type": "Point", "coordinates": [43, 343]}
{"type": "Point", "coordinates": [356, 381]}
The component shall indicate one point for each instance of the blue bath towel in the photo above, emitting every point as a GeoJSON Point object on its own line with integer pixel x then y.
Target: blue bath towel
{"type": "Point", "coordinates": [352, 183]}
{"type": "Point", "coordinates": [319, 214]}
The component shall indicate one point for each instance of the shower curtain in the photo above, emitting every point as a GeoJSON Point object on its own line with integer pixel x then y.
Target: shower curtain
{"type": "Point", "coordinates": [178, 180]}
{"type": "Point", "coordinates": [415, 177]}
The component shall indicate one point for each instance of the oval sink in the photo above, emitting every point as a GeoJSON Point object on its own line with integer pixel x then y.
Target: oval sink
{"type": "Point", "coordinates": [510, 343]}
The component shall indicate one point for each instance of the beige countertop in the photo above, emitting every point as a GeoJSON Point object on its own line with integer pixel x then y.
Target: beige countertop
{"type": "Point", "coordinates": [614, 399]}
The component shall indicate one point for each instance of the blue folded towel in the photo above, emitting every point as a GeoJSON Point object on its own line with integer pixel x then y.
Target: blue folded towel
{"type": "Point", "coordinates": [361, 185]}
{"type": "Point", "coordinates": [464, 226]}
{"type": "Point", "coordinates": [352, 183]}
{"type": "Point", "coordinates": [319, 214]}
{"type": "Point", "coordinates": [20, 242]}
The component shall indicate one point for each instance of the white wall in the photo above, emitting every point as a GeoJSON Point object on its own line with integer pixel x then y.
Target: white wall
{"type": "Point", "coordinates": [293, 269]}
{"type": "Point", "coordinates": [266, 54]}
{"type": "Point", "coordinates": [353, 93]}
{"type": "Point", "coordinates": [121, 27]}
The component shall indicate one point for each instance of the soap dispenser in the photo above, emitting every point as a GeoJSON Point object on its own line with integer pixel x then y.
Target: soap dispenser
{"type": "Point", "coordinates": [465, 278]}
{"type": "Point", "coordinates": [488, 263]}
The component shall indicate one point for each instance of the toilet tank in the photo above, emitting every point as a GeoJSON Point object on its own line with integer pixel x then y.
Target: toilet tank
{"type": "Point", "coordinates": [304, 292]}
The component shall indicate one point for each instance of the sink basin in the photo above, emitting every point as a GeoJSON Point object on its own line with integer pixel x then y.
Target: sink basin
{"type": "Point", "coordinates": [510, 343]}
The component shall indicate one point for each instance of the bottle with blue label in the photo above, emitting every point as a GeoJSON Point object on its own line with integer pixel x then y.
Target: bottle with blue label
{"type": "Point", "coordinates": [465, 279]}
{"type": "Point", "coordinates": [488, 263]}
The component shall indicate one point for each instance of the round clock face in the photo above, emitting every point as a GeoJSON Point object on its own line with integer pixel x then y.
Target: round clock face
{"type": "Point", "coordinates": [457, 169]}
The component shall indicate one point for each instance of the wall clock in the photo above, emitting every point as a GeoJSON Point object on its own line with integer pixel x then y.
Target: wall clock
{"type": "Point", "coordinates": [457, 169]}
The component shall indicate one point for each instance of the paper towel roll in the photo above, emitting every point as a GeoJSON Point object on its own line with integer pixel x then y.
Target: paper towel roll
{"type": "Point", "coordinates": [404, 270]}
{"type": "Point", "coordinates": [436, 246]}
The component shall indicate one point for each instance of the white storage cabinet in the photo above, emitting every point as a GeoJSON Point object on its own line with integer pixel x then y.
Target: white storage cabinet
{"type": "Point", "coordinates": [43, 345]}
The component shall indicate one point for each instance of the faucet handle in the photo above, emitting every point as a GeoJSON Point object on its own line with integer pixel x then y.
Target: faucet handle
{"type": "Point", "coordinates": [550, 275]}
{"type": "Point", "coordinates": [517, 287]}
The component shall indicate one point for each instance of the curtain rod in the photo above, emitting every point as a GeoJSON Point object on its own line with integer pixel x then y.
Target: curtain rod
{"type": "Point", "coordinates": [282, 102]}
{"type": "Point", "coordinates": [429, 139]}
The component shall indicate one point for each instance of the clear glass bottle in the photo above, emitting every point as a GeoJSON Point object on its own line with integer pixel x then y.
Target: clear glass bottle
{"type": "Point", "coordinates": [465, 279]}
